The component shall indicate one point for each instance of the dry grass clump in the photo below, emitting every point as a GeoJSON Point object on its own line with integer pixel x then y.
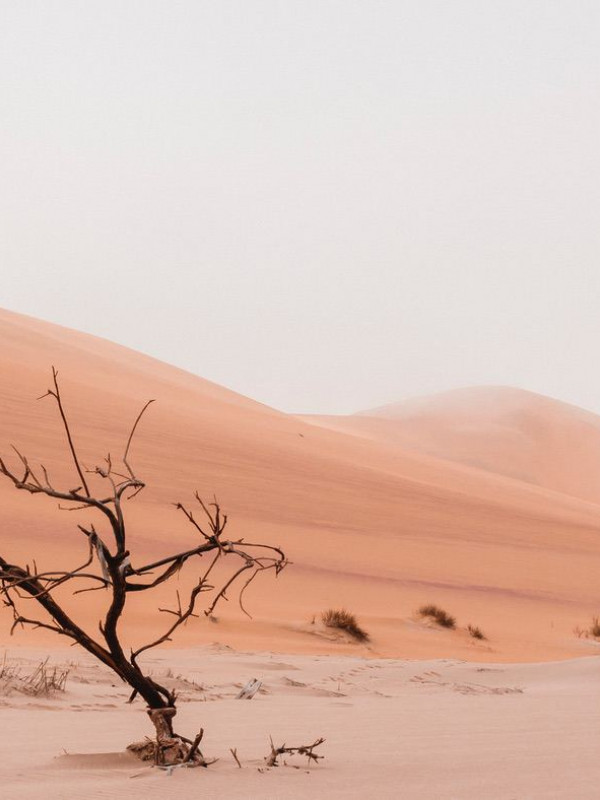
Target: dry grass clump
{"type": "Point", "coordinates": [438, 615]}
{"type": "Point", "coordinates": [42, 682]}
{"type": "Point", "coordinates": [343, 620]}
{"type": "Point", "coordinates": [445, 620]}
{"type": "Point", "coordinates": [476, 632]}
{"type": "Point", "coordinates": [593, 632]}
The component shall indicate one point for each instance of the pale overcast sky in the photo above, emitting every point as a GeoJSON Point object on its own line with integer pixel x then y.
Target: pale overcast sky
{"type": "Point", "coordinates": [323, 204]}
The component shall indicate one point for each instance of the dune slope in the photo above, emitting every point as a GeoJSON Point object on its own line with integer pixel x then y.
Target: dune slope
{"type": "Point", "coordinates": [500, 429]}
{"type": "Point", "coordinates": [374, 527]}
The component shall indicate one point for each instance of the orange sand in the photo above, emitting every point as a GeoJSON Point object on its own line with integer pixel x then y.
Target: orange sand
{"type": "Point", "coordinates": [368, 522]}
{"type": "Point", "coordinates": [483, 501]}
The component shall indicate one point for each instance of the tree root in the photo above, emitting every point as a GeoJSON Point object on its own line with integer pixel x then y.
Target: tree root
{"type": "Point", "coordinates": [168, 753]}
{"type": "Point", "coordinates": [171, 750]}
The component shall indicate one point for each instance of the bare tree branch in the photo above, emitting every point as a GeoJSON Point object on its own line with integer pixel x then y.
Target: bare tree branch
{"type": "Point", "coordinates": [128, 445]}
{"type": "Point", "coordinates": [56, 394]}
{"type": "Point", "coordinates": [117, 576]}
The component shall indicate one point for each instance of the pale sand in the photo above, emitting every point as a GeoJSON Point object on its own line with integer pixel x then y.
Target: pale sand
{"type": "Point", "coordinates": [393, 729]}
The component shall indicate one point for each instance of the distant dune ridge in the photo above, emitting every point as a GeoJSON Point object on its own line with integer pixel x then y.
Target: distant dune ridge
{"type": "Point", "coordinates": [505, 430]}
{"type": "Point", "coordinates": [500, 429]}
{"type": "Point", "coordinates": [484, 501]}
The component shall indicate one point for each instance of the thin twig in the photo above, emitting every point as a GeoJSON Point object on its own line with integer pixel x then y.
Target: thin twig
{"type": "Point", "coordinates": [135, 424]}
{"type": "Point", "coordinates": [57, 397]}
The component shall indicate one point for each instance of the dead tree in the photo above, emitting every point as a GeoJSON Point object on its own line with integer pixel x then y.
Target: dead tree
{"type": "Point", "coordinates": [110, 565]}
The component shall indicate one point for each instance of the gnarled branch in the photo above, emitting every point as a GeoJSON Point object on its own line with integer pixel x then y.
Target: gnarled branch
{"type": "Point", "coordinates": [117, 575]}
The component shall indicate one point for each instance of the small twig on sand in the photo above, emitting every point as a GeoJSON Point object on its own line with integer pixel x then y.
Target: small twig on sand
{"type": "Point", "coordinates": [303, 750]}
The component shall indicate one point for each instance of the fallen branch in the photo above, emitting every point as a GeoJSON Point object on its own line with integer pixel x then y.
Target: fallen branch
{"type": "Point", "coordinates": [304, 750]}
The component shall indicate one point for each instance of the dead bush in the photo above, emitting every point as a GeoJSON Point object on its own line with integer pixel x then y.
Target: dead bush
{"type": "Point", "coordinates": [343, 620]}
{"type": "Point", "coordinates": [44, 681]}
{"type": "Point", "coordinates": [438, 615]}
{"type": "Point", "coordinates": [593, 632]}
{"type": "Point", "coordinates": [476, 632]}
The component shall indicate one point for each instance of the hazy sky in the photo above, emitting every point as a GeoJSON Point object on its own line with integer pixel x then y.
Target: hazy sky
{"type": "Point", "coordinates": [323, 204]}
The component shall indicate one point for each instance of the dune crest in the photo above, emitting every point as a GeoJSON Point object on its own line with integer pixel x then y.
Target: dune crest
{"type": "Point", "coordinates": [499, 429]}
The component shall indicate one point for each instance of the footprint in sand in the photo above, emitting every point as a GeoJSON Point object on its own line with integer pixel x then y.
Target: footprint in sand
{"type": "Point", "coordinates": [464, 688]}
{"type": "Point", "coordinates": [292, 682]}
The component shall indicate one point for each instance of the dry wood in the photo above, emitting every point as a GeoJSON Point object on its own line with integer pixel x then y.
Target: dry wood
{"type": "Point", "coordinates": [249, 690]}
{"type": "Point", "coordinates": [194, 751]}
{"type": "Point", "coordinates": [303, 750]}
{"type": "Point", "coordinates": [109, 566]}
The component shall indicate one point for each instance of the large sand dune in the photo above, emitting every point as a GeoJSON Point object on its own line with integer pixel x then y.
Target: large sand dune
{"type": "Point", "coordinates": [375, 521]}
{"type": "Point", "coordinates": [507, 431]}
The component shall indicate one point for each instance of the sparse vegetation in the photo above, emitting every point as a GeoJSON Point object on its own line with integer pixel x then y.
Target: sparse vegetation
{"type": "Point", "coordinates": [438, 615]}
{"type": "Point", "coordinates": [593, 632]}
{"type": "Point", "coordinates": [345, 621]}
{"type": "Point", "coordinates": [476, 632]}
{"type": "Point", "coordinates": [44, 681]}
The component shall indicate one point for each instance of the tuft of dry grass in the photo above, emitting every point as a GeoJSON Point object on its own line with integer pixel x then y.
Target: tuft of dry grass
{"type": "Point", "coordinates": [438, 615]}
{"type": "Point", "coordinates": [42, 682]}
{"type": "Point", "coordinates": [594, 629]}
{"type": "Point", "coordinates": [343, 620]}
{"type": "Point", "coordinates": [592, 632]}
{"type": "Point", "coordinates": [476, 632]}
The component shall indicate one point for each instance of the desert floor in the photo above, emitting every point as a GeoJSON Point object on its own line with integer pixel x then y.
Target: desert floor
{"type": "Point", "coordinates": [394, 728]}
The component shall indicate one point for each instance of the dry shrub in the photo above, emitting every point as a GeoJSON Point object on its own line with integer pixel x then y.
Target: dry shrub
{"type": "Point", "coordinates": [345, 621]}
{"type": "Point", "coordinates": [593, 632]}
{"type": "Point", "coordinates": [476, 632]}
{"type": "Point", "coordinates": [438, 615]}
{"type": "Point", "coordinates": [42, 682]}
{"type": "Point", "coordinates": [594, 629]}
{"type": "Point", "coordinates": [9, 673]}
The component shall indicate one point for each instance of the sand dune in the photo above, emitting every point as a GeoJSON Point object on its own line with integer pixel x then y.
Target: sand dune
{"type": "Point", "coordinates": [500, 429]}
{"type": "Point", "coordinates": [368, 521]}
